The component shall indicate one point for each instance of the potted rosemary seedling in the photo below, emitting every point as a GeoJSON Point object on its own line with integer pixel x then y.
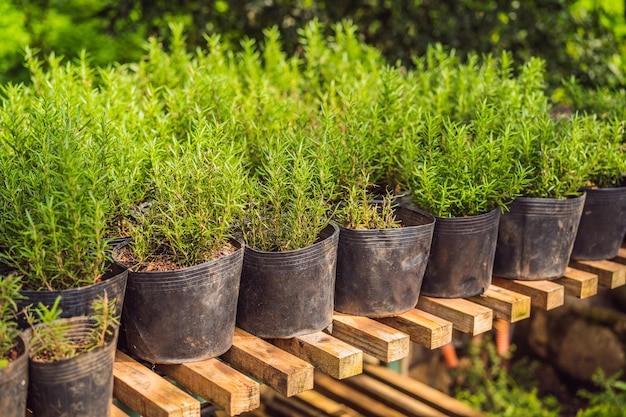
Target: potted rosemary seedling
{"type": "Point", "coordinates": [603, 222]}
{"type": "Point", "coordinates": [464, 174]}
{"type": "Point", "coordinates": [71, 360]}
{"type": "Point", "coordinates": [185, 266]}
{"type": "Point", "coordinates": [291, 248]}
{"type": "Point", "coordinates": [537, 233]}
{"type": "Point", "coordinates": [382, 253]}
{"type": "Point", "coordinates": [53, 202]}
{"type": "Point", "coordinates": [13, 351]}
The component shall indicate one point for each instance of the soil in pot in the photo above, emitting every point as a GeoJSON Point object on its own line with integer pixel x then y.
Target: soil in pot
{"type": "Point", "coordinates": [14, 381]}
{"type": "Point", "coordinates": [602, 224]}
{"type": "Point", "coordinates": [536, 237]}
{"type": "Point", "coordinates": [380, 271]}
{"type": "Point", "coordinates": [183, 315]}
{"type": "Point", "coordinates": [461, 255]}
{"type": "Point", "coordinates": [290, 293]}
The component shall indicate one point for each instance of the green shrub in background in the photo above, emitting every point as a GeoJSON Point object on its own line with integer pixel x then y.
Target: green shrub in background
{"type": "Point", "coordinates": [487, 385]}
{"type": "Point", "coordinates": [609, 399]}
{"type": "Point", "coordinates": [576, 37]}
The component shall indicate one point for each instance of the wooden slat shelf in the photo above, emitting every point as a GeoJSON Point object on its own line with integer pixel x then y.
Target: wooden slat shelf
{"type": "Point", "coordinates": [280, 370]}
{"type": "Point", "coordinates": [466, 316]}
{"type": "Point", "coordinates": [506, 304]}
{"type": "Point", "coordinates": [423, 328]}
{"type": "Point", "coordinates": [147, 393]}
{"type": "Point", "coordinates": [218, 383]}
{"type": "Point", "coordinates": [421, 392]}
{"type": "Point", "coordinates": [579, 284]}
{"type": "Point", "coordinates": [235, 382]}
{"type": "Point", "coordinates": [545, 295]}
{"type": "Point", "coordinates": [116, 412]}
{"type": "Point", "coordinates": [376, 339]}
{"type": "Point", "coordinates": [327, 353]}
{"type": "Point", "coordinates": [308, 403]}
{"type": "Point", "coordinates": [610, 274]}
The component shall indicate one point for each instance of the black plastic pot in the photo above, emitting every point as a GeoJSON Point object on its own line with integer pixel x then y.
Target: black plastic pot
{"type": "Point", "coordinates": [77, 301]}
{"type": "Point", "coordinates": [78, 387]}
{"type": "Point", "coordinates": [602, 224]}
{"type": "Point", "coordinates": [380, 271]}
{"type": "Point", "coordinates": [184, 315]}
{"type": "Point", "coordinates": [461, 256]}
{"type": "Point", "coordinates": [536, 237]}
{"type": "Point", "coordinates": [290, 293]}
{"type": "Point", "coordinates": [14, 382]}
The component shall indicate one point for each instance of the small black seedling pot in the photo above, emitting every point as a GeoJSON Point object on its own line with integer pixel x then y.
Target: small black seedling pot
{"type": "Point", "coordinates": [290, 293]}
{"type": "Point", "coordinates": [14, 382]}
{"type": "Point", "coordinates": [81, 386]}
{"type": "Point", "coordinates": [602, 224]}
{"type": "Point", "coordinates": [461, 255]}
{"type": "Point", "coordinates": [183, 315]}
{"type": "Point", "coordinates": [380, 271]}
{"type": "Point", "coordinates": [536, 237]}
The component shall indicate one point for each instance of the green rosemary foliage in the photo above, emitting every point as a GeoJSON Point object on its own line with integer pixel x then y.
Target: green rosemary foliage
{"type": "Point", "coordinates": [49, 333]}
{"type": "Point", "coordinates": [289, 196]}
{"type": "Point", "coordinates": [50, 339]}
{"type": "Point", "coordinates": [10, 286]}
{"type": "Point", "coordinates": [557, 151]}
{"type": "Point", "coordinates": [197, 196]}
{"type": "Point", "coordinates": [360, 213]}
{"type": "Point", "coordinates": [104, 322]}
{"type": "Point", "coordinates": [53, 166]}
{"type": "Point", "coordinates": [607, 152]}
{"type": "Point", "coordinates": [455, 170]}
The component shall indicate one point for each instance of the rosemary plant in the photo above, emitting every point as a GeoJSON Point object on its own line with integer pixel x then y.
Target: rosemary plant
{"type": "Point", "coordinates": [53, 166]}
{"type": "Point", "coordinates": [607, 152]}
{"type": "Point", "coordinates": [10, 286]}
{"type": "Point", "coordinates": [557, 152]}
{"type": "Point", "coordinates": [455, 170]}
{"type": "Point", "coordinates": [50, 339]}
{"type": "Point", "coordinates": [359, 212]}
{"type": "Point", "coordinates": [197, 195]}
{"type": "Point", "coordinates": [290, 195]}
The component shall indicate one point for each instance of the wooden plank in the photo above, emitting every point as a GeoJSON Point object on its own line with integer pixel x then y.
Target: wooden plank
{"type": "Point", "coordinates": [466, 316]}
{"type": "Point", "coordinates": [280, 370]}
{"type": "Point", "coordinates": [353, 398]}
{"type": "Point", "coordinates": [423, 328]}
{"type": "Point", "coordinates": [147, 393]}
{"type": "Point", "coordinates": [327, 353]}
{"type": "Point", "coordinates": [610, 274]}
{"type": "Point", "coordinates": [325, 405]}
{"type": "Point", "coordinates": [217, 383]}
{"type": "Point", "coordinates": [579, 284]}
{"type": "Point", "coordinates": [309, 403]}
{"type": "Point", "coordinates": [621, 256]}
{"type": "Point", "coordinates": [117, 412]}
{"type": "Point", "coordinates": [506, 304]}
{"type": "Point", "coordinates": [392, 397]}
{"type": "Point", "coordinates": [422, 392]}
{"type": "Point", "coordinates": [374, 338]}
{"type": "Point", "coordinates": [543, 294]}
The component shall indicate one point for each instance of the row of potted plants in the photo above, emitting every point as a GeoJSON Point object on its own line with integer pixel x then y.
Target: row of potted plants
{"type": "Point", "coordinates": [59, 366]}
{"type": "Point", "coordinates": [267, 188]}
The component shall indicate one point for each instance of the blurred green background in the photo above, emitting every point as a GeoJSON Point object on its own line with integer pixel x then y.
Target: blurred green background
{"type": "Point", "coordinates": [583, 38]}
